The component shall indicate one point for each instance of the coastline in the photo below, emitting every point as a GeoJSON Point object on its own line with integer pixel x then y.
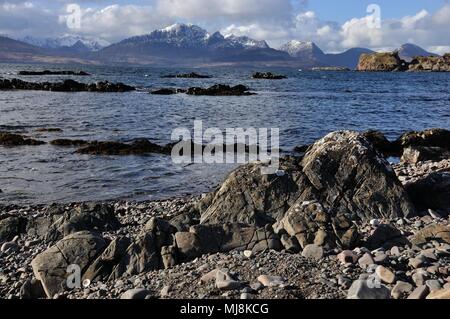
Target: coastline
{"type": "Point", "coordinates": [183, 268]}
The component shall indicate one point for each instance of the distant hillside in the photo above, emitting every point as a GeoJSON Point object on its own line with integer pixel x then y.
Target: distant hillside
{"type": "Point", "coordinates": [14, 51]}
{"type": "Point", "coordinates": [408, 51]}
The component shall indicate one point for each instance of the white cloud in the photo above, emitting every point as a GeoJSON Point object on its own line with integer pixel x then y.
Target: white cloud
{"type": "Point", "coordinates": [274, 21]}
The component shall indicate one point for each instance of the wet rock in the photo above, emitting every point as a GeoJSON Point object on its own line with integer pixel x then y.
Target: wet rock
{"type": "Point", "coordinates": [362, 289]}
{"type": "Point", "coordinates": [68, 142]}
{"type": "Point", "coordinates": [48, 72]}
{"type": "Point", "coordinates": [192, 75]}
{"type": "Point", "coordinates": [10, 139]}
{"type": "Point", "coordinates": [164, 91]}
{"type": "Point", "coordinates": [137, 147]}
{"type": "Point", "coordinates": [267, 76]}
{"type": "Point", "coordinates": [220, 90]}
{"type": "Point", "coordinates": [65, 86]}
{"type": "Point", "coordinates": [51, 266]}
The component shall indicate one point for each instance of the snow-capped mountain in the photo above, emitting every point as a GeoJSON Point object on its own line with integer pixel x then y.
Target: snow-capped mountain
{"type": "Point", "coordinates": [302, 49]}
{"type": "Point", "coordinates": [246, 42]}
{"type": "Point", "coordinates": [67, 41]}
{"type": "Point", "coordinates": [188, 41]}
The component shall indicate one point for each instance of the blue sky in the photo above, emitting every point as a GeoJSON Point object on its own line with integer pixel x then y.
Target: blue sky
{"type": "Point", "coordinates": [333, 25]}
{"type": "Point", "coordinates": [343, 10]}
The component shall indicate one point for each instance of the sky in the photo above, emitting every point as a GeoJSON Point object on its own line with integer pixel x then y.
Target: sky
{"type": "Point", "coordinates": [333, 25]}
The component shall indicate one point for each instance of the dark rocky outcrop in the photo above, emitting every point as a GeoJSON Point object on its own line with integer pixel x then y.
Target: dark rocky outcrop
{"type": "Point", "coordinates": [267, 76]}
{"type": "Point", "coordinates": [10, 139]}
{"type": "Point", "coordinates": [68, 142]}
{"type": "Point", "coordinates": [137, 147]}
{"type": "Point", "coordinates": [192, 75]}
{"type": "Point", "coordinates": [164, 91]}
{"type": "Point", "coordinates": [342, 171]}
{"type": "Point", "coordinates": [48, 72]}
{"type": "Point", "coordinates": [220, 90]}
{"type": "Point", "coordinates": [431, 192]}
{"type": "Point", "coordinates": [381, 143]}
{"type": "Point", "coordinates": [65, 86]}
{"type": "Point", "coordinates": [390, 61]}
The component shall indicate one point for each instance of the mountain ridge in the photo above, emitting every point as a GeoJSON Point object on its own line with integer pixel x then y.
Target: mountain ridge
{"type": "Point", "coordinates": [190, 45]}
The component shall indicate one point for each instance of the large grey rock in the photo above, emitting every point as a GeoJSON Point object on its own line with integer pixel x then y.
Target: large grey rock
{"type": "Point", "coordinates": [207, 239]}
{"type": "Point", "coordinates": [343, 172]}
{"type": "Point", "coordinates": [136, 294]}
{"type": "Point", "coordinates": [89, 217]}
{"type": "Point", "coordinates": [367, 289]}
{"type": "Point", "coordinates": [51, 266]}
{"type": "Point", "coordinates": [249, 197]}
{"type": "Point", "coordinates": [354, 179]}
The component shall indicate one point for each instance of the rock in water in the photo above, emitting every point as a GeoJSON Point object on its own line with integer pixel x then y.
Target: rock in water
{"type": "Point", "coordinates": [51, 266]}
{"type": "Point", "coordinates": [381, 62]}
{"type": "Point", "coordinates": [362, 289]}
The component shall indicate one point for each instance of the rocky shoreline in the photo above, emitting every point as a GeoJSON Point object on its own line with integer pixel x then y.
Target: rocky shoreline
{"type": "Point", "coordinates": [391, 62]}
{"type": "Point", "coordinates": [337, 222]}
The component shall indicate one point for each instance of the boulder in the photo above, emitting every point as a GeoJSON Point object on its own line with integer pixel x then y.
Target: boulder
{"type": "Point", "coordinates": [381, 143]}
{"type": "Point", "coordinates": [416, 154]}
{"type": "Point", "coordinates": [60, 222]}
{"type": "Point", "coordinates": [431, 192]}
{"type": "Point", "coordinates": [51, 266]}
{"type": "Point", "coordinates": [136, 294]}
{"type": "Point", "coordinates": [430, 64]}
{"type": "Point", "coordinates": [209, 239]}
{"type": "Point", "coordinates": [249, 197]}
{"type": "Point", "coordinates": [366, 289]}
{"type": "Point", "coordinates": [11, 227]}
{"type": "Point", "coordinates": [437, 232]}
{"type": "Point", "coordinates": [353, 179]}
{"type": "Point", "coordinates": [385, 236]}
